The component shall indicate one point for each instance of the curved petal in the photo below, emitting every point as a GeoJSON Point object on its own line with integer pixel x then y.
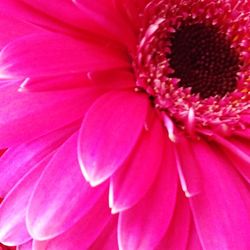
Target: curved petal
{"type": "Point", "coordinates": [26, 246]}
{"type": "Point", "coordinates": [106, 80]}
{"type": "Point", "coordinates": [83, 233]}
{"type": "Point", "coordinates": [194, 241]}
{"type": "Point", "coordinates": [225, 194]}
{"type": "Point", "coordinates": [177, 234]}
{"type": "Point", "coordinates": [61, 191]}
{"type": "Point", "coordinates": [237, 149]}
{"type": "Point", "coordinates": [26, 116]}
{"type": "Point", "coordinates": [66, 19]}
{"type": "Point", "coordinates": [17, 161]}
{"type": "Point", "coordinates": [13, 229]}
{"type": "Point", "coordinates": [131, 182]}
{"type": "Point", "coordinates": [12, 28]}
{"type": "Point", "coordinates": [144, 225]}
{"type": "Point", "coordinates": [107, 16]}
{"type": "Point", "coordinates": [107, 240]}
{"type": "Point", "coordinates": [187, 166]}
{"type": "Point", "coordinates": [109, 132]}
{"type": "Point", "coordinates": [52, 54]}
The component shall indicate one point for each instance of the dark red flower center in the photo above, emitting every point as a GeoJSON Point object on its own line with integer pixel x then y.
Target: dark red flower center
{"type": "Point", "coordinates": [203, 60]}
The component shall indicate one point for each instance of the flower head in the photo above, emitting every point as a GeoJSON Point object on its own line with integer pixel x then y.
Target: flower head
{"type": "Point", "coordinates": [127, 125]}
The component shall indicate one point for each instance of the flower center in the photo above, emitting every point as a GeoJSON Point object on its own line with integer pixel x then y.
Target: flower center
{"type": "Point", "coordinates": [203, 60]}
{"type": "Point", "coordinates": [193, 60]}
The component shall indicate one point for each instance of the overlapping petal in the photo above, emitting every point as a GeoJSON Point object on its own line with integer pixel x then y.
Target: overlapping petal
{"type": "Point", "coordinates": [62, 192]}
{"type": "Point", "coordinates": [221, 212]}
{"type": "Point", "coordinates": [144, 225]}
{"type": "Point", "coordinates": [106, 138]}
{"type": "Point", "coordinates": [84, 232]}
{"type": "Point", "coordinates": [142, 165]}
{"type": "Point", "coordinates": [54, 54]}
{"type": "Point", "coordinates": [39, 113]}
{"type": "Point", "coordinates": [13, 229]}
{"type": "Point", "coordinates": [19, 160]}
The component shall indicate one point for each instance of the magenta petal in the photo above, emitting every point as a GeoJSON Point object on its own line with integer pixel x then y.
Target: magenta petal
{"type": "Point", "coordinates": [188, 168]}
{"type": "Point", "coordinates": [61, 191]}
{"type": "Point", "coordinates": [178, 232]}
{"type": "Point", "coordinates": [17, 161]}
{"type": "Point", "coordinates": [109, 132]}
{"type": "Point", "coordinates": [194, 241]}
{"type": "Point", "coordinates": [106, 16]}
{"type": "Point", "coordinates": [107, 240]}
{"type": "Point", "coordinates": [238, 151]}
{"type": "Point", "coordinates": [26, 246]}
{"type": "Point", "coordinates": [26, 116]}
{"type": "Point", "coordinates": [222, 211]}
{"type": "Point", "coordinates": [13, 229]}
{"type": "Point", "coordinates": [64, 54]}
{"type": "Point", "coordinates": [84, 232]}
{"type": "Point", "coordinates": [12, 28]}
{"type": "Point", "coordinates": [106, 80]}
{"type": "Point", "coordinates": [142, 166]}
{"type": "Point", "coordinates": [144, 225]}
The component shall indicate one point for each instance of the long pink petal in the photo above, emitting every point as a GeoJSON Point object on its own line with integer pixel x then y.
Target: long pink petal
{"type": "Point", "coordinates": [17, 161]}
{"type": "Point", "coordinates": [84, 232]}
{"type": "Point", "coordinates": [25, 116]}
{"type": "Point", "coordinates": [142, 165]}
{"type": "Point", "coordinates": [54, 54]}
{"type": "Point", "coordinates": [67, 19]}
{"type": "Point", "coordinates": [26, 246]}
{"type": "Point", "coordinates": [106, 15]}
{"type": "Point", "coordinates": [11, 28]}
{"type": "Point", "coordinates": [193, 241]}
{"type": "Point", "coordinates": [61, 193]}
{"type": "Point", "coordinates": [222, 211]}
{"type": "Point", "coordinates": [237, 149]}
{"type": "Point", "coordinates": [144, 225]}
{"type": "Point", "coordinates": [13, 229]}
{"type": "Point", "coordinates": [109, 132]}
{"type": "Point", "coordinates": [178, 232]}
{"type": "Point", "coordinates": [187, 166]}
{"type": "Point", "coordinates": [106, 80]}
{"type": "Point", "coordinates": [107, 240]}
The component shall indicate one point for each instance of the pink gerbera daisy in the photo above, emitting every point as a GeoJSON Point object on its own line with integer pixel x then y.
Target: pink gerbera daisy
{"type": "Point", "coordinates": [127, 125]}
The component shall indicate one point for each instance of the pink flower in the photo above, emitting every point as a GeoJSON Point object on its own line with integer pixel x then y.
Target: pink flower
{"type": "Point", "coordinates": [127, 125]}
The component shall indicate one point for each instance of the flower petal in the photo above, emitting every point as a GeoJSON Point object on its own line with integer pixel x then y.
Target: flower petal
{"type": "Point", "coordinates": [177, 234]}
{"type": "Point", "coordinates": [12, 210]}
{"type": "Point", "coordinates": [108, 238]}
{"type": "Point", "coordinates": [84, 232]}
{"type": "Point", "coordinates": [26, 116]}
{"type": "Point", "coordinates": [12, 28]}
{"type": "Point", "coordinates": [107, 80]}
{"type": "Point", "coordinates": [237, 149]}
{"type": "Point", "coordinates": [221, 211]}
{"type": "Point", "coordinates": [194, 241]}
{"type": "Point", "coordinates": [26, 246]}
{"type": "Point", "coordinates": [144, 225]}
{"type": "Point", "coordinates": [142, 165]}
{"type": "Point", "coordinates": [109, 132]}
{"type": "Point", "coordinates": [187, 167]}
{"type": "Point", "coordinates": [17, 161]}
{"type": "Point", "coordinates": [64, 54]}
{"type": "Point", "coordinates": [107, 16]}
{"type": "Point", "coordinates": [61, 191]}
{"type": "Point", "coordinates": [68, 19]}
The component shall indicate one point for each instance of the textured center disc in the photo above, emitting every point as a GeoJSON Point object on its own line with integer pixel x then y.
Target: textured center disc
{"type": "Point", "coordinates": [203, 60]}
